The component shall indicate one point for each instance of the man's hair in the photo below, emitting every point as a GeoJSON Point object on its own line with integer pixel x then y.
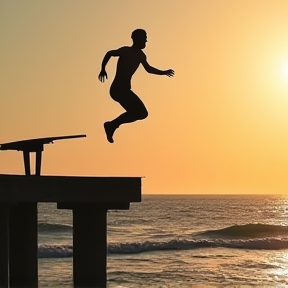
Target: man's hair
{"type": "Point", "coordinates": [138, 33]}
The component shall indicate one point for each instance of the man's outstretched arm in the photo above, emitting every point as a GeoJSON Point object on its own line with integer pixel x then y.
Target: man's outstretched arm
{"type": "Point", "coordinates": [153, 70]}
{"type": "Point", "coordinates": [106, 58]}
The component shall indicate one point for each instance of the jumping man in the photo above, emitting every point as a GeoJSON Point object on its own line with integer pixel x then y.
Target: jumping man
{"type": "Point", "coordinates": [120, 90]}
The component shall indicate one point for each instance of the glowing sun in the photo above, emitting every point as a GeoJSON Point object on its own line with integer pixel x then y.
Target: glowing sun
{"type": "Point", "coordinates": [285, 70]}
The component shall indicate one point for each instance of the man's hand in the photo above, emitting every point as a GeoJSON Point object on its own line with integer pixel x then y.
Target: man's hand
{"type": "Point", "coordinates": [102, 76]}
{"type": "Point", "coordinates": [169, 73]}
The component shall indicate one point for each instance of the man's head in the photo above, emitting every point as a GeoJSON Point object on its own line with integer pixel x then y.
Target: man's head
{"type": "Point", "coordinates": [139, 37]}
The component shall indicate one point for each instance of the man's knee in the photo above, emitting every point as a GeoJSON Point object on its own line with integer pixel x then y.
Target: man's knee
{"type": "Point", "coordinates": [143, 114]}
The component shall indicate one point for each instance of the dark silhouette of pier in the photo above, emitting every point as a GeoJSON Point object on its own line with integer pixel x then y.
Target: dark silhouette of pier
{"type": "Point", "coordinates": [89, 198]}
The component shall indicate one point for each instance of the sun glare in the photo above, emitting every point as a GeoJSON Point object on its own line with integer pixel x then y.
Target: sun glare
{"type": "Point", "coordinates": [285, 70]}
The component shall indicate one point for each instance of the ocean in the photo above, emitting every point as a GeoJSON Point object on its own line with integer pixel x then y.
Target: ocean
{"type": "Point", "coordinates": [179, 241]}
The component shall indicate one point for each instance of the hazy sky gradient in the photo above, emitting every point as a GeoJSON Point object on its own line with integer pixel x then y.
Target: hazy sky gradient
{"type": "Point", "coordinates": [219, 126]}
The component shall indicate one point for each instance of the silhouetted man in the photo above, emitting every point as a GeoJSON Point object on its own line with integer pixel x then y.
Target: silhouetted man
{"type": "Point", "coordinates": [120, 90]}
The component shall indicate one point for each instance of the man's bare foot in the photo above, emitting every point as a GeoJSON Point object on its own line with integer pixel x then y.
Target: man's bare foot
{"type": "Point", "coordinates": [109, 130]}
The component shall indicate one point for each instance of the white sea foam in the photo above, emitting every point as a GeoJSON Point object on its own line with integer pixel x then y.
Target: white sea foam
{"type": "Point", "coordinates": [268, 243]}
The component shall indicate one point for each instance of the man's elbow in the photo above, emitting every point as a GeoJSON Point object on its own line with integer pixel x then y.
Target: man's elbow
{"type": "Point", "coordinates": [149, 69]}
{"type": "Point", "coordinates": [109, 53]}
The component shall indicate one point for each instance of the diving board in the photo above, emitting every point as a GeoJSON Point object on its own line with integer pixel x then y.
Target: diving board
{"type": "Point", "coordinates": [34, 145]}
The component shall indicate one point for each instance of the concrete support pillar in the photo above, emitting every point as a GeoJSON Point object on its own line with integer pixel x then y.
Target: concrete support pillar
{"type": "Point", "coordinates": [89, 247]}
{"type": "Point", "coordinates": [23, 254]}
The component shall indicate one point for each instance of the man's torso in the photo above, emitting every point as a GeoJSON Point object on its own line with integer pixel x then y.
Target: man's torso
{"type": "Point", "coordinates": [128, 62]}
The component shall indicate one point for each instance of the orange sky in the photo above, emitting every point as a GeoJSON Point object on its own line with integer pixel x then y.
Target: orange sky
{"type": "Point", "coordinates": [219, 126]}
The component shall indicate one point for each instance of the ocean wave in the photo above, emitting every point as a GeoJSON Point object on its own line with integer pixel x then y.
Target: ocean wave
{"type": "Point", "coordinates": [55, 251]}
{"type": "Point", "coordinates": [269, 243]}
{"type": "Point", "coordinates": [248, 231]}
{"type": "Point", "coordinates": [48, 227]}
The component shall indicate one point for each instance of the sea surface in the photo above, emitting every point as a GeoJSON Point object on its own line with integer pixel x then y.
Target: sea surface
{"type": "Point", "coordinates": [179, 241]}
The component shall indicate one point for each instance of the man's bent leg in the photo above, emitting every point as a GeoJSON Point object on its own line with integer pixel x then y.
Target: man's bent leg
{"type": "Point", "coordinates": [135, 110]}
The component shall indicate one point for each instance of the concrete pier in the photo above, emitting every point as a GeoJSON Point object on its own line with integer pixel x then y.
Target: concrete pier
{"type": "Point", "coordinates": [89, 198]}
